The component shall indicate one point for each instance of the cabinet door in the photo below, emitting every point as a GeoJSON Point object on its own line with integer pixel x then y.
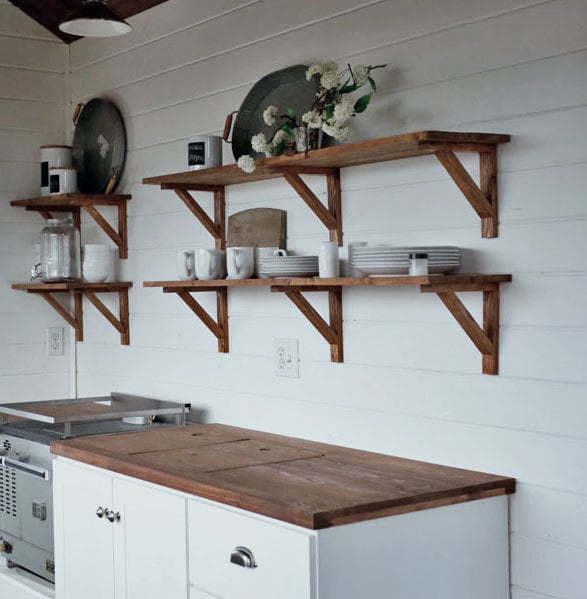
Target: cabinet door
{"type": "Point", "coordinates": [283, 555]}
{"type": "Point", "coordinates": [84, 564]}
{"type": "Point", "coordinates": [149, 542]}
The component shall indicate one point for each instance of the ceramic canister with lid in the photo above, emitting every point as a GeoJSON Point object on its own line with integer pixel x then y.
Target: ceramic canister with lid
{"type": "Point", "coordinates": [60, 251]}
{"type": "Point", "coordinates": [53, 156]}
{"type": "Point", "coordinates": [62, 179]}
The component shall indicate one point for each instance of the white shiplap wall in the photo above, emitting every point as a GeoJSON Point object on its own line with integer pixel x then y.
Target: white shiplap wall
{"type": "Point", "coordinates": [32, 108]}
{"type": "Point", "coordinates": [411, 382]}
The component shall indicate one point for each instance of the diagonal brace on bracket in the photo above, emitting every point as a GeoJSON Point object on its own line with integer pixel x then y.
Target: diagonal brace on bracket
{"type": "Point", "coordinates": [72, 320]}
{"type": "Point", "coordinates": [119, 238]}
{"type": "Point", "coordinates": [486, 339]}
{"type": "Point", "coordinates": [483, 197]}
{"type": "Point", "coordinates": [216, 227]}
{"type": "Point", "coordinates": [218, 329]}
{"type": "Point", "coordinates": [330, 216]}
{"type": "Point", "coordinates": [121, 324]}
{"type": "Point", "coordinates": [332, 332]}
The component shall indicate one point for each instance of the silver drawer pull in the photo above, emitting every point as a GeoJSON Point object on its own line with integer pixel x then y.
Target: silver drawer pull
{"type": "Point", "coordinates": [241, 556]}
{"type": "Point", "coordinates": [100, 512]}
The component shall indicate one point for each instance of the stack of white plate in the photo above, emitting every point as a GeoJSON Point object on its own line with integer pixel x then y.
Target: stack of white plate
{"type": "Point", "coordinates": [288, 266]}
{"type": "Point", "coordinates": [388, 260]}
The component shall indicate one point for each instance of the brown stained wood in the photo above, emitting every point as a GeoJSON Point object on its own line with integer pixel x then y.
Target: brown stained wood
{"type": "Point", "coordinates": [222, 311]}
{"type": "Point", "coordinates": [335, 205]}
{"type": "Point", "coordinates": [488, 184]}
{"type": "Point", "coordinates": [121, 324]}
{"type": "Point", "coordinates": [220, 218]}
{"type": "Point", "coordinates": [52, 301]}
{"type": "Point", "coordinates": [70, 200]}
{"type": "Point", "coordinates": [491, 329]}
{"type": "Point", "coordinates": [310, 484]}
{"type": "Point", "coordinates": [312, 315]}
{"type": "Point", "coordinates": [409, 145]}
{"type": "Point", "coordinates": [467, 322]}
{"type": "Point", "coordinates": [123, 231]}
{"type": "Point", "coordinates": [197, 309]}
{"type": "Point", "coordinates": [45, 214]}
{"type": "Point", "coordinates": [79, 315]}
{"type": "Point", "coordinates": [335, 312]}
{"type": "Point", "coordinates": [317, 207]}
{"type": "Point", "coordinates": [104, 225]}
{"type": "Point", "coordinates": [257, 227]}
{"type": "Point", "coordinates": [199, 213]}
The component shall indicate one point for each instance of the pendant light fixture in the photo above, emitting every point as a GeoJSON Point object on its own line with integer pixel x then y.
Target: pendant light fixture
{"type": "Point", "coordinates": [94, 19]}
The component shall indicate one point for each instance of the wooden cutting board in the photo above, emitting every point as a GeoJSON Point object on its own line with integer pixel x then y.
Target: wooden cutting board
{"type": "Point", "coordinates": [257, 227]}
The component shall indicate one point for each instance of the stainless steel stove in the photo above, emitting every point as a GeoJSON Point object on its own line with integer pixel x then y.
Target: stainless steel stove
{"type": "Point", "coordinates": [26, 498]}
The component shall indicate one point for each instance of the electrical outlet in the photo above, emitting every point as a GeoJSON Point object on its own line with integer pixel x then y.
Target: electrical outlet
{"type": "Point", "coordinates": [55, 341]}
{"type": "Point", "coordinates": [286, 356]}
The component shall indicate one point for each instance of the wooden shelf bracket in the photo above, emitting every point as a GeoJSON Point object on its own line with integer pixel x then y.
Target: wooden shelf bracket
{"type": "Point", "coordinates": [485, 338]}
{"type": "Point", "coordinates": [331, 331]}
{"type": "Point", "coordinates": [76, 320]}
{"type": "Point", "coordinates": [218, 327]}
{"type": "Point", "coordinates": [483, 198]}
{"type": "Point", "coordinates": [120, 237]}
{"type": "Point", "coordinates": [216, 227]}
{"type": "Point", "coordinates": [330, 216]}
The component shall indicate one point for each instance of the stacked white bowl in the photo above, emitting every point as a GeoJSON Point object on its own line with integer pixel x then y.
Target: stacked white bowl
{"type": "Point", "coordinates": [95, 263]}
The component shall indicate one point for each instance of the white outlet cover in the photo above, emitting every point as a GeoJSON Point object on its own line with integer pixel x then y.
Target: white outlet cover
{"type": "Point", "coordinates": [286, 358]}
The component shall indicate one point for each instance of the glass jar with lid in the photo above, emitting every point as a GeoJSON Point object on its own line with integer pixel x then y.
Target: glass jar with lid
{"type": "Point", "coordinates": [60, 251]}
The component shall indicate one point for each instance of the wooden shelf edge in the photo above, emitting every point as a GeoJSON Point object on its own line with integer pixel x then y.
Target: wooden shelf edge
{"type": "Point", "coordinates": [72, 286]}
{"type": "Point", "coordinates": [383, 149]}
{"type": "Point", "coordinates": [70, 200]}
{"type": "Point", "coordinates": [430, 280]}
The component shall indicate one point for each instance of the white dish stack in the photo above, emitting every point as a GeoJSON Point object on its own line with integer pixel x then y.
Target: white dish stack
{"type": "Point", "coordinates": [96, 263]}
{"type": "Point", "coordinates": [383, 260]}
{"type": "Point", "coordinates": [288, 266]}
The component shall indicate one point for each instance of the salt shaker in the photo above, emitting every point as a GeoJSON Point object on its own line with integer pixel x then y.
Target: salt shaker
{"type": "Point", "coordinates": [418, 264]}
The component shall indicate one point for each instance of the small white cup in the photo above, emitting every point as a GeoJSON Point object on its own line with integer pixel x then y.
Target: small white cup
{"type": "Point", "coordinates": [62, 179]}
{"type": "Point", "coordinates": [96, 263]}
{"type": "Point", "coordinates": [328, 262]}
{"type": "Point", "coordinates": [240, 262]}
{"type": "Point", "coordinates": [204, 151]}
{"type": "Point", "coordinates": [209, 264]}
{"type": "Point", "coordinates": [186, 265]}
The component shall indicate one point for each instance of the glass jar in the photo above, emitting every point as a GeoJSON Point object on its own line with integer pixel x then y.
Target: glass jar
{"type": "Point", "coordinates": [60, 251]}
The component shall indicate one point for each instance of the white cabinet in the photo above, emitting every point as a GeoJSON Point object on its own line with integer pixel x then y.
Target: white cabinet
{"type": "Point", "coordinates": [115, 538]}
{"type": "Point", "coordinates": [453, 552]}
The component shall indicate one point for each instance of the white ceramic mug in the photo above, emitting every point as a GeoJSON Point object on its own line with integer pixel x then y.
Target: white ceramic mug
{"type": "Point", "coordinates": [328, 262]}
{"type": "Point", "coordinates": [204, 151]}
{"type": "Point", "coordinates": [208, 264]}
{"type": "Point", "coordinates": [240, 262]}
{"type": "Point", "coordinates": [62, 179]}
{"type": "Point", "coordinates": [186, 265]}
{"type": "Point", "coordinates": [266, 252]}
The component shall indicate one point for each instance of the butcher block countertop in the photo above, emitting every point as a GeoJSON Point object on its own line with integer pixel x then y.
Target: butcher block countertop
{"type": "Point", "coordinates": [310, 484]}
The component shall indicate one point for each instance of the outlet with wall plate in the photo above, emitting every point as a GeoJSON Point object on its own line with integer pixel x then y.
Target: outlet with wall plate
{"type": "Point", "coordinates": [286, 358]}
{"type": "Point", "coordinates": [55, 341]}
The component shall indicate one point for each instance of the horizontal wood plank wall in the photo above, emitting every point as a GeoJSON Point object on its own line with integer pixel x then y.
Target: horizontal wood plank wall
{"type": "Point", "coordinates": [411, 382]}
{"type": "Point", "coordinates": [32, 108]}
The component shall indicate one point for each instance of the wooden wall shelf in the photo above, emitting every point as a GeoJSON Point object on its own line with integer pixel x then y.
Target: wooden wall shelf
{"type": "Point", "coordinates": [327, 162]}
{"type": "Point", "coordinates": [485, 336]}
{"type": "Point", "coordinates": [74, 202]}
{"type": "Point", "coordinates": [88, 290]}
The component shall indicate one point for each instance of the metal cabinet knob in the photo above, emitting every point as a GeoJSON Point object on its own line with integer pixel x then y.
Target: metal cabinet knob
{"type": "Point", "coordinates": [112, 516]}
{"type": "Point", "coordinates": [100, 512]}
{"type": "Point", "coordinates": [242, 556]}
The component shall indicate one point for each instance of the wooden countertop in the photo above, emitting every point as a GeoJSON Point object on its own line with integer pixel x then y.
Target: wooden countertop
{"type": "Point", "coordinates": [310, 484]}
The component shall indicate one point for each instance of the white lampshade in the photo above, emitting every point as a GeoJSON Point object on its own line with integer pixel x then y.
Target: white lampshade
{"type": "Point", "coordinates": [94, 19]}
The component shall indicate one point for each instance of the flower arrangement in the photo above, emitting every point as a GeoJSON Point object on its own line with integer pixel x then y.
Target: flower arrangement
{"type": "Point", "coordinates": [329, 113]}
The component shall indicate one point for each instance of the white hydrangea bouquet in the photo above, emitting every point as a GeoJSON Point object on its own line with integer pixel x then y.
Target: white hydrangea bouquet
{"type": "Point", "coordinates": [329, 113]}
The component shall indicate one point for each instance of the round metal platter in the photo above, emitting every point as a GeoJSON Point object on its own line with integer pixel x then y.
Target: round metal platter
{"type": "Point", "coordinates": [286, 88]}
{"type": "Point", "coordinates": [99, 146]}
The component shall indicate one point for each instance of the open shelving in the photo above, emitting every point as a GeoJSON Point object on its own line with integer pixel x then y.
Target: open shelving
{"type": "Point", "coordinates": [328, 162]}
{"type": "Point", "coordinates": [88, 290]}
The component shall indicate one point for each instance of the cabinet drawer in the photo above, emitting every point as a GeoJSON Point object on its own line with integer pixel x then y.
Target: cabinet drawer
{"type": "Point", "coordinates": [284, 556]}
